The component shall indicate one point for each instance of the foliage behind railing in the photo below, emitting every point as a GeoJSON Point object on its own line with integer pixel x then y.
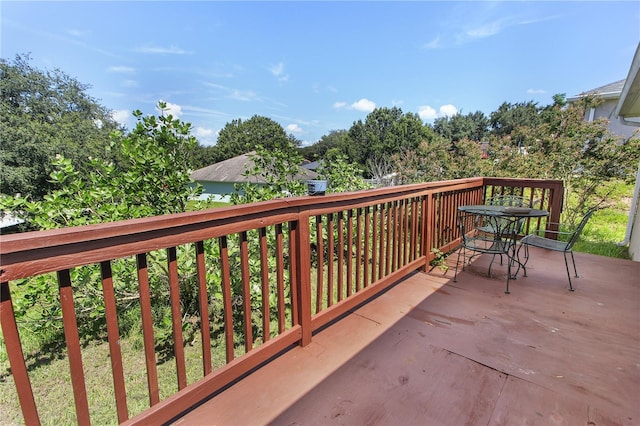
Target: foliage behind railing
{"type": "Point", "coordinates": [250, 280]}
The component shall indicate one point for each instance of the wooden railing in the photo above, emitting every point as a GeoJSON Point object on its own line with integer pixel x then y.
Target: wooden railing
{"type": "Point", "coordinates": [279, 271]}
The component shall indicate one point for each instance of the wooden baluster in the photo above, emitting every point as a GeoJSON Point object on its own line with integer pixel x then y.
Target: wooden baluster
{"type": "Point", "coordinates": [73, 347]}
{"type": "Point", "coordinates": [320, 264]}
{"type": "Point", "coordinates": [203, 305]}
{"type": "Point", "coordinates": [13, 346]}
{"type": "Point", "coordinates": [280, 277]}
{"type": "Point", "coordinates": [246, 292]}
{"type": "Point", "coordinates": [147, 328]}
{"type": "Point", "coordinates": [226, 298]}
{"type": "Point", "coordinates": [264, 279]}
{"type": "Point", "coordinates": [113, 336]}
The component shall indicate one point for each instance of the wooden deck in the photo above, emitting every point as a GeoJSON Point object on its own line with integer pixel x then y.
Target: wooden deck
{"type": "Point", "coordinates": [433, 352]}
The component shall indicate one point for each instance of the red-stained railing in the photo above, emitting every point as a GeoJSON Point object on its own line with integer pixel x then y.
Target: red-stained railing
{"type": "Point", "coordinates": [275, 271]}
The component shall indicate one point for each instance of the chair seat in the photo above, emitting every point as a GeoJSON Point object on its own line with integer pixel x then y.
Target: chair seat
{"type": "Point", "coordinates": [546, 243]}
{"type": "Point", "coordinates": [486, 245]}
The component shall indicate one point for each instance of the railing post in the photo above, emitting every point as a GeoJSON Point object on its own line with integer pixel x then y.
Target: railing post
{"type": "Point", "coordinates": [427, 229]}
{"type": "Point", "coordinates": [556, 195]}
{"type": "Point", "coordinates": [302, 282]}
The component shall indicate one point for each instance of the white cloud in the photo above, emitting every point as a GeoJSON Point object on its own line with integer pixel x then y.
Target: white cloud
{"type": "Point", "coordinates": [130, 83]}
{"type": "Point", "coordinates": [173, 109]}
{"type": "Point", "coordinates": [364, 105]}
{"type": "Point", "coordinates": [203, 132]}
{"type": "Point", "coordinates": [122, 116]}
{"type": "Point", "coordinates": [122, 69]}
{"type": "Point", "coordinates": [278, 72]}
{"type": "Point", "coordinates": [536, 91]}
{"type": "Point", "coordinates": [433, 44]}
{"type": "Point", "coordinates": [243, 95]}
{"type": "Point", "coordinates": [293, 128]}
{"type": "Point", "coordinates": [206, 136]}
{"type": "Point", "coordinates": [171, 50]}
{"type": "Point", "coordinates": [75, 32]}
{"type": "Point", "coordinates": [486, 30]}
{"type": "Point", "coordinates": [428, 113]}
{"type": "Point", "coordinates": [448, 110]}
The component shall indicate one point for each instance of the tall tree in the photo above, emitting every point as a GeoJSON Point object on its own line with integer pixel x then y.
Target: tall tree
{"type": "Point", "coordinates": [334, 139]}
{"type": "Point", "coordinates": [562, 145]}
{"type": "Point", "coordinates": [385, 131]}
{"type": "Point", "coordinates": [43, 114]}
{"type": "Point", "coordinates": [509, 116]}
{"type": "Point", "coordinates": [473, 126]}
{"type": "Point", "coordinates": [240, 137]}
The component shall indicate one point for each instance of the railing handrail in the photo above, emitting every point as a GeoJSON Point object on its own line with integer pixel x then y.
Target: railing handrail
{"type": "Point", "coordinates": [61, 236]}
{"type": "Point", "coordinates": [105, 241]}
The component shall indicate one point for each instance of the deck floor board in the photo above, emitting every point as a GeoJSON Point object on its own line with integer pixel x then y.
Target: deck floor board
{"type": "Point", "coordinates": [431, 351]}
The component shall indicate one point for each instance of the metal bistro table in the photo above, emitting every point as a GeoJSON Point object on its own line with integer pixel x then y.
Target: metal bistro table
{"type": "Point", "coordinates": [493, 229]}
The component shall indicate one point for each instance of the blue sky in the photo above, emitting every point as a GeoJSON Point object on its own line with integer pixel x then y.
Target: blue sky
{"type": "Point", "coordinates": [319, 66]}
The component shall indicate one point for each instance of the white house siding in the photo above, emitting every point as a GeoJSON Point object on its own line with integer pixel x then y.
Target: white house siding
{"type": "Point", "coordinates": [616, 126]}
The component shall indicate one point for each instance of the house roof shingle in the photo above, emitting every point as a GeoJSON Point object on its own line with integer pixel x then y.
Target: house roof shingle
{"type": "Point", "coordinates": [233, 169]}
{"type": "Point", "coordinates": [608, 91]}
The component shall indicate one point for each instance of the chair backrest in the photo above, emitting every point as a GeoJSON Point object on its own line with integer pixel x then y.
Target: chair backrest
{"type": "Point", "coordinates": [508, 200]}
{"type": "Point", "coordinates": [470, 224]}
{"type": "Point", "coordinates": [576, 233]}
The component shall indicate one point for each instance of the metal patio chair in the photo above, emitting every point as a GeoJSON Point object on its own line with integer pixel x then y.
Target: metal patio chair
{"type": "Point", "coordinates": [506, 201]}
{"type": "Point", "coordinates": [565, 247]}
{"type": "Point", "coordinates": [501, 240]}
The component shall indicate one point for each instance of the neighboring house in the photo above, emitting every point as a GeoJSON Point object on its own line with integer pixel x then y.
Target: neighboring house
{"type": "Point", "coordinates": [628, 112]}
{"type": "Point", "coordinates": [610, 94]}
{"type": "Point", "coordinates": [313, 165]}
{"type": "Point", "coordinates": [219, 179]}
{"type": "Point", "coordinates": [8, 221]}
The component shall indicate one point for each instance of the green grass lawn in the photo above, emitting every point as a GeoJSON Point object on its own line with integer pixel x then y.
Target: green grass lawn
{"type": "Point", "coordinates": [607, 227]}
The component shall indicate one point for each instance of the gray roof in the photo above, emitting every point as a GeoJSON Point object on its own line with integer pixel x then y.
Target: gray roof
{"type": "Point", "coordinates": [312, 165]}
{"type": "Point", "coordinates": [608, 91]}
{"type": "Point", "coordinates": [233, 169]}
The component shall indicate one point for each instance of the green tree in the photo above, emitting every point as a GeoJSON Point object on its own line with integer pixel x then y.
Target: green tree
{"type": "Point", "coordinates": [509, 116]}
{"type": "Point", "coordinates": [385, 131]}
{"type": "Point", "coordinates": [317, 151]}
{"type": "Point", "coordinates": [275, 174]}
{"type": "Point", "coordinates": [153, 181]}
{"type": "Point", "coordinates": [473, 126]}
{"type": "Point", "coordinates": [430, 161]}
{"type": "Point", "coordinates": [342, 176]}
{"type": "Point", "coordinates": [240, 137]}
{"type": "Point", "coordinates": [562, 145]}
{"type": "Point", "coordinates": [43, 114]}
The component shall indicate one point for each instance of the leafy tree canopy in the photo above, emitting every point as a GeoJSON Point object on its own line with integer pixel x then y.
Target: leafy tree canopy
{"type": "Point", "coordinates": [152, 179]}
{"type": "Point", "coordinates": [317, 151]}
{"type": "Point", "coordinates": [385, 131]}
{"type": "Point", "coordinates": [43, 114]}
{"type": "Point", "coordinates": [473, 126]}
{"type": "Point", "coordinates": [240, 137]}
{"type": "Point", "coordinates": [509, 116]}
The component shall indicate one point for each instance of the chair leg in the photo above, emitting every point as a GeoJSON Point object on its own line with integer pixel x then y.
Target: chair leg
{"type": "Point", "coordinates": [526, 258]}
{"type": "Point", "coordinates": [566, 264]}
{"type": "Point", "coordinates": [455, 275]}
{"type": "Point", "coordinates": [491, 263]}
{"type": "Point", "coordinates": [508, 276]}
{"type": "Point", "coordinates": [574, 265]}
